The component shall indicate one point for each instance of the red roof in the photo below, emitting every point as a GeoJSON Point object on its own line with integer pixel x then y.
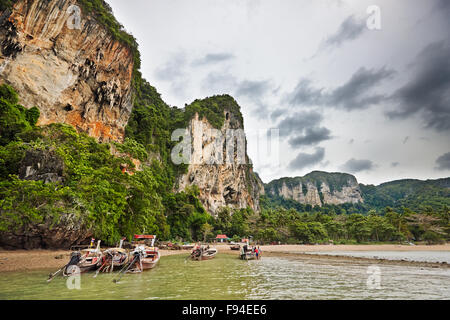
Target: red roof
{"type": "Point", "coordinates": [221, 236]}
{"type": "Point", "coordinates": [136, 236]}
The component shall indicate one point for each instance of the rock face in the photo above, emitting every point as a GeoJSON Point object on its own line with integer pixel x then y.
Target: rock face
{"type": "Point", "coordinates": [223, 174]}
{"type": "Point", "coordinates": [42, 165]}
{"type": "Point", "coordinates": [70, 230]}
{"type": "Point", "coordinates": [74, 74]}
{"type": "Point", "coordinates": [317, 188]}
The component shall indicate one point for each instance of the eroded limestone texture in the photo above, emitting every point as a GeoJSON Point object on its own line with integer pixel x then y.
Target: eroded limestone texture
{"type": "Point", "coordinates": [80, 76]}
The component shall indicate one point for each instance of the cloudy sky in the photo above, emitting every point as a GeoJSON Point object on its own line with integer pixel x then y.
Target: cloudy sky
{"type": "Point", "coordinates": [345, 95]}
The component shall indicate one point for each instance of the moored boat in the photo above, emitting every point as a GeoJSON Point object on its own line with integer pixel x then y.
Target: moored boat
{"type": "Point", "coordinates": [248, 253]}
{"type": "Point", "coordinates": [83, 261]}
{"type": "Point", "coordinates": [203, 253]}
{"type": "Point", "coordinates": [144, 257]}
{"type": "Point", "coordinates": [114, 258]}
{"type": "Point", "coordinates": [235, 247]}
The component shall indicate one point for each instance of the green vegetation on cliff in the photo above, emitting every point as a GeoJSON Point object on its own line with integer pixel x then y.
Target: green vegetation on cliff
{"type": "Point", "coordinates": [113, 204]}
{"type": "Point", "coordinates": [214, 109]}
{"type": "Point", "coordinates": [151, 124]}
{"type": "Point", "coordinates": [91, 187]}
{"type": "Point", "coordinates": [14, 118]}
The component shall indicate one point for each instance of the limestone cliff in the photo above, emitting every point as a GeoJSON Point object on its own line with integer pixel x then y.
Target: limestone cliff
{"type": "Point", "coordinates": [222, 172]}
{"type": "Point", "coordinates": [317, 188]}
{"type": "Point", "coordinates": [74, 71]}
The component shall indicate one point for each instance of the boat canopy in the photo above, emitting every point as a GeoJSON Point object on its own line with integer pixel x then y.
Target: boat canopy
{"type": "Point", "coordinates": [144, 236]}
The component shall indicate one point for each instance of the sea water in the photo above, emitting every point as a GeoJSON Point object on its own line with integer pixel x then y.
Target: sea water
{"type": "Point", "coordinates": [228, 278]}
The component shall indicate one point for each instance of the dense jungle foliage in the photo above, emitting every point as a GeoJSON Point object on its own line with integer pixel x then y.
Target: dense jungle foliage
{"type": "Point", "coordinates": [349, 223]}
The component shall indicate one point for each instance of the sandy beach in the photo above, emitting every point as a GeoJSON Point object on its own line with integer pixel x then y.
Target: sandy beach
{"type": "Point", "coordinates": [23, 260]}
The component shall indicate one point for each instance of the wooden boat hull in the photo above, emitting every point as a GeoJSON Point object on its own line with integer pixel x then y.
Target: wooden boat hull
{"type": "Point", "coordinates": [83, 264]}
{"type": "Point", "coordinates": [208, 255]}
{"type": "Point", "coordinates": [84, 261]}
{"type": "Point", "coordinates": [119, 265]}
{"type": "Point", "coordinates": [86, 268]}
{"type": "Point", "coordinates": [248, 256]}
{"type": "Point", "coordinates": [69, 270]}
{"type": "Point", "coordinates": [113, 259]}
{"type": "Point", "coordinates": [146, 263]}
{"type": "Point", "coordinates": [203, 258]}
{"type": "Point", "coordinates": [119, 259]}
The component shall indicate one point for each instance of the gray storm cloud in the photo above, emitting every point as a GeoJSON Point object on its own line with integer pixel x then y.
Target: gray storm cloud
{"type": "Point", "coordinates": [354, 166]}
{"type": "Point", "coordinates": [427, 94]}
{"type": "Point", "coordinates": [356, 93]}
{"type": "Point", "coordinates": [212, 58]}
{"type": "Point", "coordinates": [307, 160]}
{"type": "Point", "coordinates": [443, 162]}
{"type": "Point", "coordinates": [350, 29]}
{"type": "Point", "coordinates": [311, 136]}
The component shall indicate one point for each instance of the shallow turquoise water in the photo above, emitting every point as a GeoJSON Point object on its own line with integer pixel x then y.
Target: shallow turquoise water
{"type": "Point", "coordinates": [228, 278]}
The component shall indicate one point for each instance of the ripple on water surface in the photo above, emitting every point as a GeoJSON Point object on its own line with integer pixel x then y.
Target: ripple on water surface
{"type": "Point", "coordinates": [228, 278]}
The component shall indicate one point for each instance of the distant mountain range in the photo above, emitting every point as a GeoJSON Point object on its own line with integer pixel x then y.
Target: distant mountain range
{"type": "Point", "coordinates": [409, 193]}
{"type": "Point", "coordinates": [320, 188]}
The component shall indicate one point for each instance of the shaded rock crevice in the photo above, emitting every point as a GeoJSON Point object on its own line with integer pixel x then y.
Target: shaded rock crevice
{"type": "Point", "coordinates": [42, 165]}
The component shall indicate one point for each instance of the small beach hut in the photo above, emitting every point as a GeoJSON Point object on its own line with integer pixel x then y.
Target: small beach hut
{"type": "Point", "coordinates": [222, 237]}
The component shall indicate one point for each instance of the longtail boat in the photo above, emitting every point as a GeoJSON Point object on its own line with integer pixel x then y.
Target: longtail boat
{"type": "Point", "coordinates": [235, 247]}
{"type": "Point", "coordinates": [144, 257]}
{"type": "Point", "coordinates": [203, 253]}
{"type": "Point", "coordinates": [247, 252]}
{"type": "Point", "coordinates": [83, 261]}
{"type": "Point", "coordinates": [114, 258]}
